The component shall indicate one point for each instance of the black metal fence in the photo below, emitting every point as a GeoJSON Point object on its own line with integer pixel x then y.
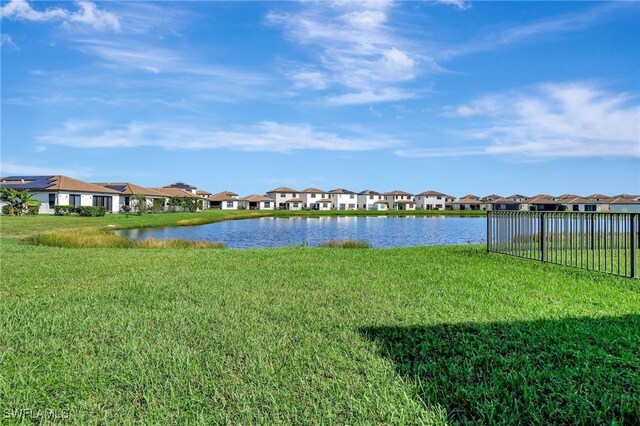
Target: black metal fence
{"type": "Point", "coordinates": [603, 242]}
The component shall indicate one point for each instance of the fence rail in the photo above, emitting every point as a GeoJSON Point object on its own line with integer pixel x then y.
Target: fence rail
{"type": "Point", "coordinates": [603, 242]}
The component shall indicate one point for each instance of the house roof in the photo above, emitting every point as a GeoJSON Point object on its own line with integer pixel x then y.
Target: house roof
{"type": "Point", "coordinates": [397, 192]}
{"type": "Point", "coordinates": [519, 196]}
{"type": "Point", "coordinates": [431, 192]}
{"type": "Point", "coordinates": [583, 200]}
{"type": "Point", "coordinates": [341, 191]}
{"type": "Point", "coordinates": [468, 201]}
{"type": "Point", "coordinates": [492, 196]}
{"type": "Point", "coordinates": [180, 185]}
{"type": "Point", "coordinates": [53, 183]}
{"type": "Point", "coordinates": [381, 202]}
{"type": "Point", "coordinates": [470, 196]}
{"type": "Point", "coordinates": [598, 196]}
{"type": "Point", "coordinates": [222, 196]}
{"type": "Point", "coordinates": [567, 196]}
{"type": "Point", "coordinates": [294, 200]}
{"type": "Point", "coordinates": [128, 188]}
{"type": "Point", "coordinates": [313, 191]}
{"type": "Point", "coordinates": [506, 200]}
{"type": "Point", "coordinates": [404, 202]}
{"type": "Point", "coordinates": [624, 200]}
{"type": "Point", "coordinates": [201, 192]}
{"type": "Point", "coordinates": [283, 189]}
{"type": "Point", "coordinates": [176, 192]}
{"type": "Point", "coordinates": [369, 192]}
{"type": "Point", "coordinates": [255, 198]}
{"type": "Point", "coordinates": [543, 199]}
{"type": "Point", "coordinates": [628, 196]}
{"type": "Point", "coordinates": [324, 200]}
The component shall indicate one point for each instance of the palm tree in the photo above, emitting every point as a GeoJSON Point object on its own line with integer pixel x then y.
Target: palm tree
{"type": "Point", "coordinates": [18, 201]}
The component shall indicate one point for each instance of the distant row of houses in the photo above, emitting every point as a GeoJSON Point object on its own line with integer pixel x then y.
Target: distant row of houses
{"type": "Point", "coordinates": [123, 196]}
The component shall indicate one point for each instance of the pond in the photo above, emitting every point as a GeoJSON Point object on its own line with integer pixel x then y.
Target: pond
{"type": "Point", "coordinates": [378, 231]}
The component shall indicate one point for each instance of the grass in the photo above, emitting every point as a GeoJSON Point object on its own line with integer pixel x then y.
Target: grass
{"type": "Point", "coordinates": [99, 238]}
{"type": "Point", "coordinates": [421, 335]}
{"type": "Point", "coordinates": [348, 244]}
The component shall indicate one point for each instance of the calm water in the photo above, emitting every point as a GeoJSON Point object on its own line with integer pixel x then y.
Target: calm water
{"type": "Point", "coordinates": [380, 231]}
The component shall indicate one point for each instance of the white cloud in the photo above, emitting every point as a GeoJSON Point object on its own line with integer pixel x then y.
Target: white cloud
{"type": "Point", "coordinates": [353, 48]}
{"type": "Point", "coordinates": [551, 120]}
{"type": "Point", "coordinates": [87, 14]}
{"type": "Point", "coordinates": [264, 136]}
{"type": "Point", "coordinates": [8, 168]}
{"type": "Point", "coordinates": [6, 40]}
{"type": "Point", "coordinates": [460, 4]}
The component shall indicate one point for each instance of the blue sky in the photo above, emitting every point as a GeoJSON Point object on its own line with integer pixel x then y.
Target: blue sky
{"type": "Point", "coordinates": [461, 97]}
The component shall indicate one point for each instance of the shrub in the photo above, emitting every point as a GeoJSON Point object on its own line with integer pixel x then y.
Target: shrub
{"type": "Point", "coordinates": [91, 211]}
{"type": "Point", "coordinates": [6, 209]}
{"type": "Point", "coordinates": [82, 238]}
{"type": "Point", "coordinates": [345, 244]}
{"type": "Point", "coordinates": [61, 210]}
{"type": "Point", "coordinates": [33, 210]}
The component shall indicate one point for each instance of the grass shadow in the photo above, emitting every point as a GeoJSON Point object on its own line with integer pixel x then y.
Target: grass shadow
{"type": "Point", "coordinates": [569, 371]}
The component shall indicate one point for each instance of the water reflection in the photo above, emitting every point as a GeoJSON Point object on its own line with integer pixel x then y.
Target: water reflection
{"type": "Point", "coordinates": [379, 231]}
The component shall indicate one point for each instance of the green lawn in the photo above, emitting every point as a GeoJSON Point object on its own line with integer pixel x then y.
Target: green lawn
{"type": "Point", "coordinates": [304, 335]}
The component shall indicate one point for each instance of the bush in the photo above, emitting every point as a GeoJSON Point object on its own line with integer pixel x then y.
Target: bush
{"type": "Point", "coordinates": [61, 210]}
{"type": "Point", "coordinates": [345, 244]}
{"type": "Point", "coordinates": [91, 211]}
{"type": "Point", "coordinates": [6, 209]}
{"type": "Point", "coordinates": [33, 210]}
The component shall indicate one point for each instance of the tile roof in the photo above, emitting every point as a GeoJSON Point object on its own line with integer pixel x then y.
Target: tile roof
{"type": "Point", "coordinates": [470, 196]}
{"type": "Point", "coordinates": [180, 185]}
{"type": "Point", "coordinates": [369, 192]}
{"type": "Point", "coordinates": [469, 201]}
{"type": "Point", "coordinates": [294, 200]}
{"type": "Point", "coordinates": [313, 191]}
{"type": "Point", "coordinates": [128, 188]}
{"type": "Point", "coordinates": [341, 191]}
{"type": "Point", "coordinates": [324, 200]}
{"type": "Point", "coordinates": [397, 192]}
{"type": "Point", "coordinates": [256, 198]}
{"type": "Point", "coordinates": [176, 192]}
{"type": "Point", "coordinates": [431, 192]}
{"type": "Point", "coordinates": [624, 200]}
{"type": "Point", "coordinates": [222, 196]}
{"type": "Point", "coordinates": [283, 189]}
{"type": "Point", "coordinates": [201, 192]}
{"type": "Point", "coordinates": [53, 183]}
{"type": "Point", "coordinates": [543, 200]}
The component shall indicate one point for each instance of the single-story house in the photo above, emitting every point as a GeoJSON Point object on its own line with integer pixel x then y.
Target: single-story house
{"type": "Point", "coordinates": [508, 204]}
{"type": "Point", "coordinates": [63, 190]}
{"type": "Point", "coordinates": [581, 204]}
{"type": "Point", "coordinates": [469, 204]}
{"type": "Point", "coordinates": [129, 190]}
{"type": "Point", "coordinates": [624, 205]}
{"type": "Point", "coordinates": [225, 200]}
{"type": "Point", "coordinates": [544, 203]}
{"type": "Point", "coordinates": [257, 202]}
{"type": "Point", "coordinates": [173, 192]}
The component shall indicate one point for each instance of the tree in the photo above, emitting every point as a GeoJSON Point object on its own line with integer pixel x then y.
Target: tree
{"type": "Point", "coordinates": [18, 201]}
{"type": "Point", "coordinates": [140, 205]}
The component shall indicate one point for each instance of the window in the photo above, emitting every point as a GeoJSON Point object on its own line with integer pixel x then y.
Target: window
{"type": "Point", "coordinates": [351, 196]}
{"type": "Point", "coordinates": [267, 204]}
{"type": "Point", "coordinates": [576, 208]}
{"type": "Point", "coordinates": [102, 201]}
{"type": "Point", "coordinates": [283, 195]}
{"type": "Point", "coordinates": [324, 205]}
{"type": "Point", "coordinates": [295, 195]}
{"type": "Point", "coordinates": [313, 195]}
{"type": "Point", "coordinates": [127, 201]}
{"type": "Point", "coordinates": [352, 206]}
{"type": "Point", "coordinates": [230, 204]}
{"type": "Point", "coordinates": [371, 197]}
{"type": "Point", "coordinates": [74, 200]}
{"type": "Point", "coordinates": [52, 200]}
{"type": "Point", "coordinates": [438, 198]}
{"type": "Point", "coordinates": [589, 207]}
{"type": "Point", "coordinates": [295, 204]}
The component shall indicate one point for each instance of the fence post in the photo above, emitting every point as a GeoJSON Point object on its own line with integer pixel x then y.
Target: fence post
{"type": "Point", "coordinates": [489, 234]}
{"type": "Point", "coordinates": [634, 245]}
{"type": "Point", "coordinates": [543, 237]}
{"type": "Point", "coordinates": [592, 225]}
